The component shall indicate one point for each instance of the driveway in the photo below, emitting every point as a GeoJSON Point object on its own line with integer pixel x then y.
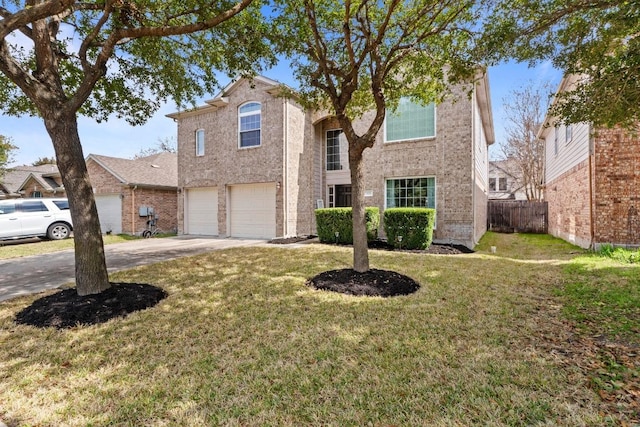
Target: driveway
{"type": "Point", "coordinates": [26, 275]}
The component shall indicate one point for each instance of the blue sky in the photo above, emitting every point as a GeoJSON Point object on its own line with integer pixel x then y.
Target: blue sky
{"type": "Point", "coordinates": [118, 139]}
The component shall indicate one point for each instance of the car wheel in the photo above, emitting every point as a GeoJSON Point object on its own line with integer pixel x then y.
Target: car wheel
{"type": "Point", "coordinates": [58, 231]}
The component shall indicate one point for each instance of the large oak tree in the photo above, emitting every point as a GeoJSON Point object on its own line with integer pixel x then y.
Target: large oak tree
{"type": "Point", "coordinates": [354, 56]}
{"type": "Point", "coordinates": [98, 58]}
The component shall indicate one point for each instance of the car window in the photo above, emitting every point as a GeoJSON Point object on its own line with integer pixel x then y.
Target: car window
{"type": "Point", "coordinates": [33, 206]}
{"type": "Point", "coordinates": [61, 204]}
{"type": "Point", "coordinates": [7, 207]}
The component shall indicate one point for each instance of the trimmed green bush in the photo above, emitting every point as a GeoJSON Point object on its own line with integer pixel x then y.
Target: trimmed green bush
{"type": "Point", "coordinates": [332, 220]}
{"type": "Point", "coordinates": [414, 225]}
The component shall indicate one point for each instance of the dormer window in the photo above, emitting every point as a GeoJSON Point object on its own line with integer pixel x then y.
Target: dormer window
{"type": "Point", "coordinates": [249, 122]}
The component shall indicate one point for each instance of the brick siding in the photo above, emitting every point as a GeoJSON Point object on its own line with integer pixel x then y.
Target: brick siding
{"type": "Point", "coordinates": [617, 187]}
{"type": "Point", "coordinates": [569, 211]}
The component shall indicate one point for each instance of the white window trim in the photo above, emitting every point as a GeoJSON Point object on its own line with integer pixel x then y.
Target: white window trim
{"type": "Point", "coordinates": [326, 164]}
{"type": "Point", "coordinates": [435, 200]}
{"type": "Point", "coordinates": [422, 138]}
{"type": "Point", "coordinates": [198, 132]}
{"type": "Point", "coordinates": [568, 134]}
{"type": "Point", "coordinates": [251, 113]}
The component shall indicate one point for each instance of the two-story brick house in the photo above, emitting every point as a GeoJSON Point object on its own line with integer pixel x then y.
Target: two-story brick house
{"type": "Point", "coordinates": [254, 164]}
{"type": "Point", "coordinates": [592, 182]}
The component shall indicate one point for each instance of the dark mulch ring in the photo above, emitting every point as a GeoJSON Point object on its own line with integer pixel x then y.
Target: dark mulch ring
{"type": "Point", "coordinates": [66, 309]}
{"type": "Point", "coordinates": [374, 282]}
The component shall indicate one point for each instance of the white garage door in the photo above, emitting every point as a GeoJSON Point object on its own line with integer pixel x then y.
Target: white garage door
{"type": "Point", "coordinates": [201, 211]}
{"type": "Point", "coordinates": [109, 212]}
{"type": "Point", "coordinates": [253, 210]}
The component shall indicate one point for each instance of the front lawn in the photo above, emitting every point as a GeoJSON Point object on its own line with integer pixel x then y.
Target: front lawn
{"type": "Point", "coordinates": [240, 340]}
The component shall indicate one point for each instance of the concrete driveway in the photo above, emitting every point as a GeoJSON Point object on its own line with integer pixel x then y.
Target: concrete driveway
{"type": "Point", "coordinates": [26, 275]}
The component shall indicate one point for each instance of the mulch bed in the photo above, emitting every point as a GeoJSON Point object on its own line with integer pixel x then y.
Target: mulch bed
{"type": "Point", "coordinates": [383, 283]}
{"type": "Point", "coordinates": [66, 309]}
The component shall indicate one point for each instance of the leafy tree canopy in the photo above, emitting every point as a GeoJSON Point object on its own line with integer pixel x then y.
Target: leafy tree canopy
{"type": "Point", "coordinates": [44, 161]}
{"type": "Point", "coordinates": [598, 40]}
{"type": "Point", "coordinates": [164, 145]}
{"type": "Point", "coordinates": [6, 149]}
{"type": "Point", "coordinates": [144, 53]}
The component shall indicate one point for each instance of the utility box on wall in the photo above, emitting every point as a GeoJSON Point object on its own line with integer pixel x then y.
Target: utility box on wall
{"type": "Point", "coordinates": [145, 211]}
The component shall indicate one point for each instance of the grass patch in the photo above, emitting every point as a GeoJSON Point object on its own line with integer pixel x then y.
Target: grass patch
{"type": "Point", "coordinates": [240, 340]}
{"type": "Point", "coordinates": [16, 249]}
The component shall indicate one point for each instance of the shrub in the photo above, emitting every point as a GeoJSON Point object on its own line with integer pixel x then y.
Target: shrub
{"type": "Point", "coordinates": [332, 220]}
{"type": "Point", "coordinates": [414, 225]}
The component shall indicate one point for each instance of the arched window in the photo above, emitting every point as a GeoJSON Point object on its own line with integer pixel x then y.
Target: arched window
{"type": "Point", "coordinates": [249, 123]}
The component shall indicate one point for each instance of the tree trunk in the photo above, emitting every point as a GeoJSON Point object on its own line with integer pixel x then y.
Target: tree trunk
{"type": "Point", "coordinates": [91, 268]}
{"type": "Point", "coordinates": [360, 248]}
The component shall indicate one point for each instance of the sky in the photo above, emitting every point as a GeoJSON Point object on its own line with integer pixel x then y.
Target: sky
{"type": "Point", "coordinates": [117, 138]}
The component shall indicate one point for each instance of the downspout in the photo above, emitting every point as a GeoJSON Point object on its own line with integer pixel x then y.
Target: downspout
{"type": "Point", "coordinates": [285, 181]}
{"type": "Point", "coordinates": [133, 203]}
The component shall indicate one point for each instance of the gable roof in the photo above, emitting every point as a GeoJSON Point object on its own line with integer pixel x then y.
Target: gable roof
{"type": "Point", "coordinates": [157, 170]}
{"type": "Point", "coordinates": [222, 98]}
{"type": "Point", "coordinates": [16, 177]}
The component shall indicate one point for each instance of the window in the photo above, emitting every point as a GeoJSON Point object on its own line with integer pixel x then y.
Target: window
{"type": "Point", "coordinates": [568, 133]}
{"type": "Point", "coordinates": [200, 142]}
{"type": "Point", "coordinates": [7, 207]}
{"type": "Point", "coordinates": [411, 192]}
{"type": "Point", "coordinates": [36, 194]}
{"type": "Point", "coordinates": [333, 150]}
{"type": "Point", "coordinates": [502, 184]}
{"type": "Point", "coordinates": [339, 196]}
{"type": "Point", "coordinates": [410, 121]}
{"type": "Point", "coordinates": [249, 124]}
{"type": "Point", "coordinates": [556, 131]}
{"type": "Point", "coordinates": [492, 184]}
{"type": "Point", "coordinates": [33, 206]}
{"type": "Point", "coordinates": [61, 204]}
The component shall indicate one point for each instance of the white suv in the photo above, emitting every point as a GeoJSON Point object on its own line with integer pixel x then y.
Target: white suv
{"type": "Point", "coordinates": [20, 218]}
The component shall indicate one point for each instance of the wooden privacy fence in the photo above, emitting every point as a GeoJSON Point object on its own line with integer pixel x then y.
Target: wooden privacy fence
{"type": "Point", "coordinates": [517, 216]}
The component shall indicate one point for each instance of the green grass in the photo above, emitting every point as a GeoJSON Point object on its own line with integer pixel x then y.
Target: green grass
{"type": "Point", "coordinates": [16, 249]}
{"type": "Point", "coordinates": [241, 340]}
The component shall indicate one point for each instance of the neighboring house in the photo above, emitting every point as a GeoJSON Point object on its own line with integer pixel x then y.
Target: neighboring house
{"type": "Point", "coordinates": [254, 164]}
{"type": "Point", "coordinates": [505, 181]}
{"type": "Point", "coordinates": [592, 182]}
{"type": "Point", "coordinates": [32, 181]}
{"type": "Point", "coordinates": [125, 189]}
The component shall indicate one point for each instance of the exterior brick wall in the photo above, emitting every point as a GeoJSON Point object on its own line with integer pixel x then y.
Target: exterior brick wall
{"type": "Point", "coordinates": [569, 210]}
{"type": "Point", "coordinates": [299, 171]}
{"type": "Point", "coordinates": [223, 163]}
{"type": "Point", "coordinates": [616, 187]}
{"type": "Point", "coordinates": [164, 201]}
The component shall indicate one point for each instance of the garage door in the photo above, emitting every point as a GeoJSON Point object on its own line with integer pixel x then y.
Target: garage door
{"type": "Point", "coordinates": [253, 210]}
{"type": "Point", "coordinates": [109, 212]}
{"type": "Point", "coordinates": [201, 211]}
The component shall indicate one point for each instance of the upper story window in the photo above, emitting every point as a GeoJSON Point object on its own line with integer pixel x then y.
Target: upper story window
{"type": "Point", "coordinates": [556, 132]}
{"type": "Point", "coordinates": [249, 120]}
{"type": "Point", "coordinates": [502, 184]}
{"type": "Point", "coordinates": [200, 142]}
{"type": "Point", "coordinates": [492, 184]}
{"type": "Point", "coordinates": [410, 121]}
{"type": "Point", "coordinates": [568, 133]}
{"type": "Point", "coordinates": [337, 151]}
{"type": "Point", "coordinates": [36, 194]}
